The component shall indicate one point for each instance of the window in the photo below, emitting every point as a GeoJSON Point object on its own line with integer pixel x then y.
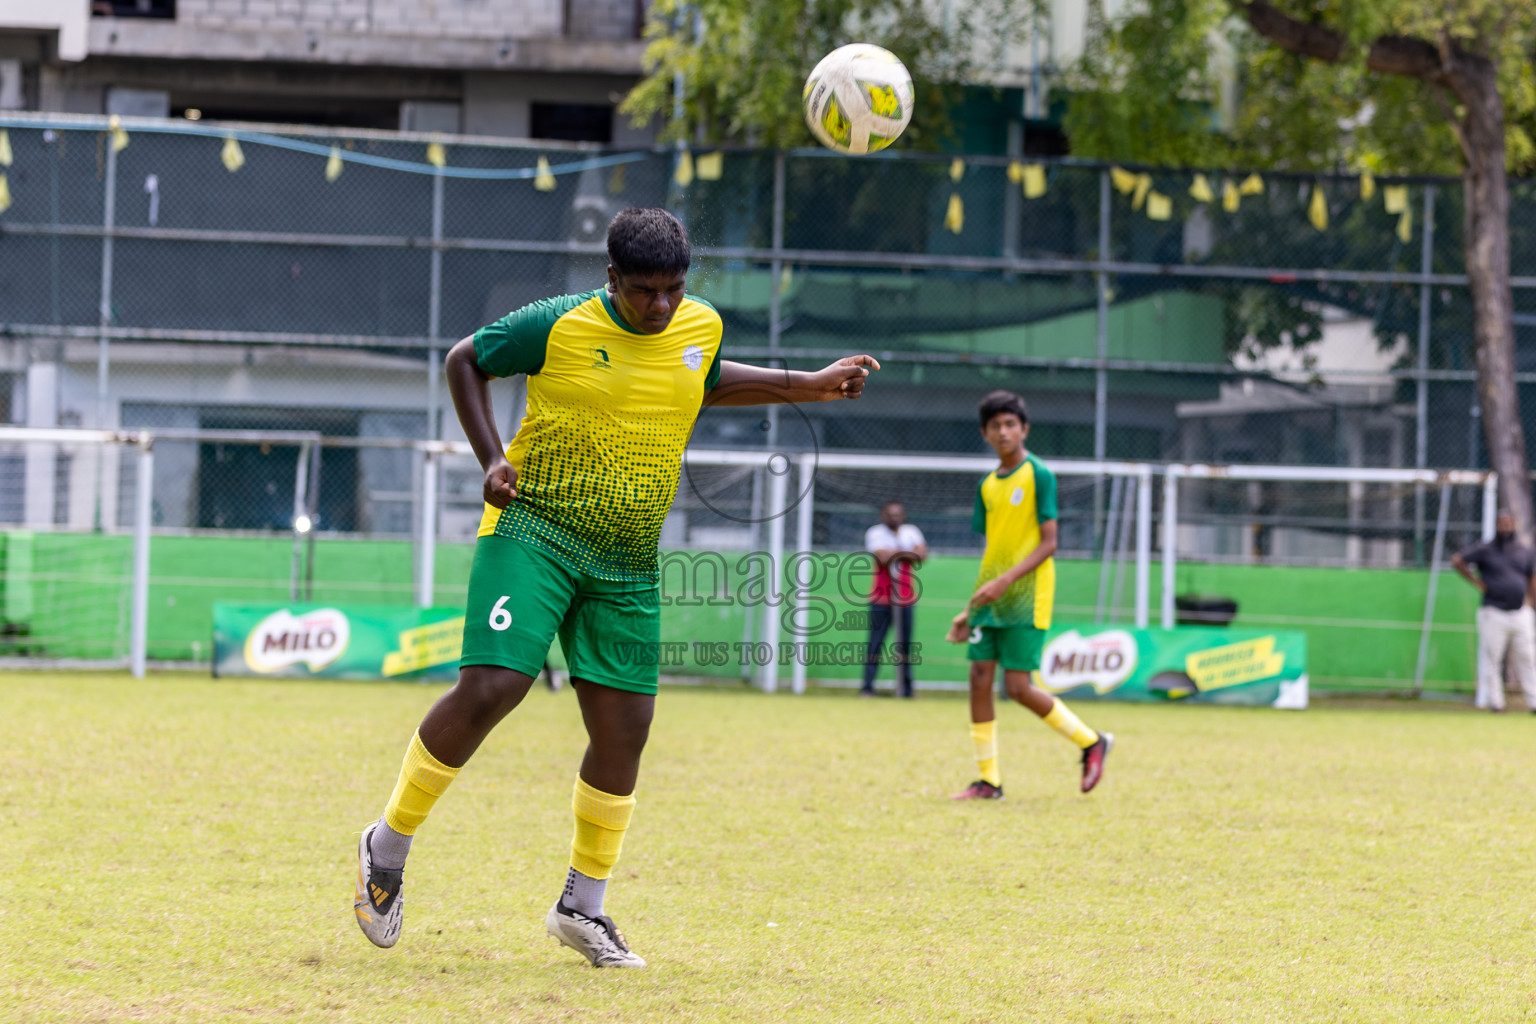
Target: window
{"type": "Point", "coordinates": [571, 122]}
{"type": "Point", "coordinates": [133, 8]}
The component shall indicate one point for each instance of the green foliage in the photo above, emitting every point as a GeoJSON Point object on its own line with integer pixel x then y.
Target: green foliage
{"type": "Point", "coordinates": [1141, 76]}
{"type": "Point", "coordinates": [743, 63]}
{"type": "Point", "coordinates": [1144, 79]}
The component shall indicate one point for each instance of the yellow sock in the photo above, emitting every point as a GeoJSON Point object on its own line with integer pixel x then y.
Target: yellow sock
{"type": "Point", "coordinates": [1069, 725]}
{"type": "Point", "coordinates": [601, 820]}
{"type": "Point", "coordinates": [984, 736]}
{"type": "Point", "coordinates": [423, 778]}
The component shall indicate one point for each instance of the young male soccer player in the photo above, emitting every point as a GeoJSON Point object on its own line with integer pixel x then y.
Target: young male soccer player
{"type": "Point", "coordinates": [568, 543]}
{"type": "Point", "coordinates": [1010, 611]}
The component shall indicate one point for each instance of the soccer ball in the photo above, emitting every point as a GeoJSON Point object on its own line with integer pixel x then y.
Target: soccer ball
{"type": "Point", "coordinates": [858, 99]}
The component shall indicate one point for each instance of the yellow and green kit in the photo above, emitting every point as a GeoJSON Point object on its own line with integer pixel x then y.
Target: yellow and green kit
{"type": "Point", "coordinates": [1010, 506]}
{"type": "Point", "coordinates": [598, 456]}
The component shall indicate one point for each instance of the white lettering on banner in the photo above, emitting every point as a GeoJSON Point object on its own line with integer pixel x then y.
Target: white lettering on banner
{"type": "Point", "coordinates": [1103, 660]}
{"type": "Point", "coordinates": [283, 639]}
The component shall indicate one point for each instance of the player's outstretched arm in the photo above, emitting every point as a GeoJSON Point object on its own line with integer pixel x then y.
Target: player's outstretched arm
{"type": "Point", "coordinates": [468, 385]}
{"type": "Point", "coordinates": [741, 384]}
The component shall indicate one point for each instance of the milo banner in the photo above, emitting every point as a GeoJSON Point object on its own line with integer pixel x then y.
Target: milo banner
{"type": "Point", "coordinates": [308, 641]}
{"type": "Point", "coordinates": [1196, 665]}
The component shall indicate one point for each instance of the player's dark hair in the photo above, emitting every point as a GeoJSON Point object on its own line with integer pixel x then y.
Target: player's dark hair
{"type": "Point", "coordinates": [647, 240]}
{"type": "Point", "coordinates": [999, 402]}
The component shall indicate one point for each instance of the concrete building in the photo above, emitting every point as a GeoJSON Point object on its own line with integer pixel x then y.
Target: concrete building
{"type": "Point", "coordinates": [551, 69]}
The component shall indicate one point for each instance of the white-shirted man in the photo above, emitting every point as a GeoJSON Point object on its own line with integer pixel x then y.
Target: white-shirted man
{"type": "Point", "coordinates": [898, 547]}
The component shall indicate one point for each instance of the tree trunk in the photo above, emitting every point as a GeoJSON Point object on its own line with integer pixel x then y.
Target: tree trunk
{"type": "Point", "coordinates": [1486, 205]}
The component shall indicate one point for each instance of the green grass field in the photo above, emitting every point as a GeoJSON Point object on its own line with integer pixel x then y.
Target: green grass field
{"type": "Point", "coordinates": [183, 850]}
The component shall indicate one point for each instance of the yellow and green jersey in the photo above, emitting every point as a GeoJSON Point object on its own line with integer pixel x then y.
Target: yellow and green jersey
{"type": "Point", "coordinates": [1009, 509]}
{"type": "Point", "coordinates": [609, 412]}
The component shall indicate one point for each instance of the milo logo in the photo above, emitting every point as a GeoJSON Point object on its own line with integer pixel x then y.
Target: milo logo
{"type": "Point", "coordinates": [1101, 660]}
{"type": "Point", "coordinates": [282, 640]}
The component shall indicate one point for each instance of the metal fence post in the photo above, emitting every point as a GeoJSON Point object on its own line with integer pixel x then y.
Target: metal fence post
{"type": "Point", "coordinates": [435, 309]}
{"type": "Point", "coordinates": [1170, 540]}
{"type": "Point", "coordinates": [138, 630]}
{"type": "Point", "coordinates": [1101, 351]}
{"type": "Point", "coordinates": [301, 522]}
{"type": "Point", "coordinates": [1143, 544]}
{"type": "Point", "coordinates": [425, 590]}
{"type": "Point", "coordinates": [806, 478]}
{"type": "Point", "coordinates": [1421, 399]}
{"type": "Point", "coordinates": [104, 321]}
{"type": "Point", "coordinates": [778, 480]}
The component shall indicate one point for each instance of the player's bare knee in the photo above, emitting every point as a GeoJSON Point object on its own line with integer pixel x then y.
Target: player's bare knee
{"type": "Point", "coordinates": [490, 691]}
{"type": "Point", "coordinates": [982, 675]}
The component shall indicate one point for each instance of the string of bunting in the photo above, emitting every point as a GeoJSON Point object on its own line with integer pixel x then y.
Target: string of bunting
{"type": "Point", "coordinates": [954, 210]}
{"type": "Point", "coordinates": [704, 167]}
{"type": "Point", "coordinates": [1160, 207]}
{"type": "Point", "coordinates": [1031, 178]}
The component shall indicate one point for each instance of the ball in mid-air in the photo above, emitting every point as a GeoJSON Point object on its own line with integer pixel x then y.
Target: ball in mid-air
{"type": "Point", "coordinates": [858, 99]}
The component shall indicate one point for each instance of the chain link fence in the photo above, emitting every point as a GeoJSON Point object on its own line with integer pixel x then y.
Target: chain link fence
{"type": "Point", "coordinates": [215, 284]}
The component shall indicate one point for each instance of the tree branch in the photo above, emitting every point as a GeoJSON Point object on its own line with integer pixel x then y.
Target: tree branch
{"type": "Point", "coordinates": [1299, 37]}
{"type": "Point", "coordinates": [1390, 55]}
{"type": "Point", "coordinates": [1405, 55]}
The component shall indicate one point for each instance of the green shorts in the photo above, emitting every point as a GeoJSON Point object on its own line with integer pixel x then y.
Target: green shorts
{"type": "Point", "coordinates": [1017, 647]}
{"type": "Point", "coordinates": [521, 596]}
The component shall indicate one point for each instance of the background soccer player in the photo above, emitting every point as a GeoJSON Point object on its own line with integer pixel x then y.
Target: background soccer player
{"type": "Point", "coordinates": [1010, 611]}
{"type": "Point", "coordinates": [568, 545]}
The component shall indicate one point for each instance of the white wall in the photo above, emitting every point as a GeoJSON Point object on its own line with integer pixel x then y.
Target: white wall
{"type": "Point", "coordinates": [510, 19]}
{"type": "Point", "coordinates": [67, 17]}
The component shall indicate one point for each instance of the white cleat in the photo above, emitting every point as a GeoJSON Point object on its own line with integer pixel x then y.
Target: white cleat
{"type": "Point", "coordinates": [379, 907]}
{"type": "Point", "coordinates": [595, 938]}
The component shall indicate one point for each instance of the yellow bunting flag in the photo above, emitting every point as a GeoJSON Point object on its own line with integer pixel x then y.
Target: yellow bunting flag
{"type": "Point", "coordinates": [616, 181]}
{"type": "Point", "coordinates": [5, 194]}
{"type": "Point", "coordinates": [1034, 181]}
{"type": "Point", "coordinates": [1395, 198]}
{"type": "Point", "coordinates": [1159, 206]}
{"type": "Point", "coordinates": [5, 148]}
{"type": "Point", "coordinates": [1367, 185]}
{"type": "Point", "coordinates": [1143, 186]}
{"type": "Point", "coordinates": [1200, 189]}
{"type": "Point", "coordinates": [1317, 209]}
{"type": "Point", "coordinates": [684, 173]}
{"type": "Point", "coordinates": [1124, 181]}
{"type": "Point", "coordinates": [1230, 197]}
{"type": "Point", "coordinates": [437, 156]}
{"type": "Point", "coordinates": [543, 177]}
{"type": "Point", "coordinates": [1252, 185]}
{"type": "Point", "coordinates": [1015, 172]}
{"type": "Point", "coordinates": [1405, 224]}
{"type": "Point", "coordinates": [956, 170]}
{"type": "Point", "coordinates": [119, 135]}
{"type": "Point", "coordinates": [710, 166]}
{"type": "Point", "coordinates": [333, 165]}
{"type": "Point", "coordinates": [232, 158]}
{"type": "Point", "coordinates": [954, 216]}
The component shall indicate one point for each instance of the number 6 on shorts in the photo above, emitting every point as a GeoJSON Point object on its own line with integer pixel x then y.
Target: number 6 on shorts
{"type": "Point", "coordinates": [500, 617]}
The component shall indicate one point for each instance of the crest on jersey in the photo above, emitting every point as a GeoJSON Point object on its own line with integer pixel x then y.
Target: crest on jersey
{"type": "Point", "coordinates": [693, 357]}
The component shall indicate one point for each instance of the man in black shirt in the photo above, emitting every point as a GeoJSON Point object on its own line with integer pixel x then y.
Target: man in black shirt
{"type": "Point", "coordinates": [1506, 622]}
